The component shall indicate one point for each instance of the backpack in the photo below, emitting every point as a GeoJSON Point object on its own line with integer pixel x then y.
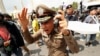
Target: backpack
{"type": "Point", "coordinates": [16, 37]}
{"type": "Point", "coordinates": [9, 28]}
{"type": "Point", "coordinates": [5, 35]}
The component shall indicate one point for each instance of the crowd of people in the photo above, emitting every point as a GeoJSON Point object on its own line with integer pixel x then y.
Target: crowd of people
{"type": "Point", "coordinates": [47, 25]}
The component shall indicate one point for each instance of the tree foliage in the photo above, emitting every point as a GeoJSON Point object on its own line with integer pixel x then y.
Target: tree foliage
{"type": "Point", "coordinates": [75, 5]}
{"type": "Point", "coordinates": [54, 8]}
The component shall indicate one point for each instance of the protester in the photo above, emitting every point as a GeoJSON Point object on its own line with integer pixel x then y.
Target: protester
{"type": "Point", "coordinates": [92, 19]}
{"type": "Point", "coordinates": [11, 38]}
{"type": "Point", "coordinates": [82, 18]}
{"type": "Point", "coordinates": [83, 15]}
{"type": "Point", "coordinates": [2, 39]}
{"type": "Point", "coordinates": [56, 41]}
{"type": "Point", "coordinates": [35, 25]}
{"type": "Point", "coordinates": [7, 17]}
{"type": "Point", "coordinates": [70, 15]}
{"type": "Point", "coordinates": [98, 14]}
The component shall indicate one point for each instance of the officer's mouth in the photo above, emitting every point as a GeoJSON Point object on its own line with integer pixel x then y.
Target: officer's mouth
{"type": "Point", "coordinates": [46, 31]}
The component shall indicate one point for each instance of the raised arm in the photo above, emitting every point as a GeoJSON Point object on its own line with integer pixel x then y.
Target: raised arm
{"type": "Point", "coordinates": [31, 38]}
{"type": "Point", "coordinates": [70, 41]}
{"type": "Point", "coordinates": [22, 17]}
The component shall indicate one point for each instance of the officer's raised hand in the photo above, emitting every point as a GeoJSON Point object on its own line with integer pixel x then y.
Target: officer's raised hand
{"type": "Point", "coordinates": [63, 23]}
{"type": "Point", "coordinates": [22, 17]}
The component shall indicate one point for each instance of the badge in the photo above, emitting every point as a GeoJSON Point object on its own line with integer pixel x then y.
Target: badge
{"type": "Point", "coordinates": [40, 11]}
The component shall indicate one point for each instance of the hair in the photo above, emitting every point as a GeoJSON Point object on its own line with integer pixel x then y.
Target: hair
{"type": "Point", "coordinates": [7, 15]}
{"type": "Point", "coordinates": [92, 8]}
{"type": "Point", "coordinates": [1, 16]}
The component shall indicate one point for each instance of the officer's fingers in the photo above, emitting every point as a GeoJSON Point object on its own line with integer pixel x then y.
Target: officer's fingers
{"type": "Point", "coordinates": [19, 17]}
{"type": "Point", "coordinates": [61, 12]}
{"type": "Point", "coordinates": [25, 13]}
{"type": "Point", "coordinates": [58, 16]}
{"type": "Point", "coordinates": [63, 24]}
{"type": "Point", "coordinates": [22, 15]}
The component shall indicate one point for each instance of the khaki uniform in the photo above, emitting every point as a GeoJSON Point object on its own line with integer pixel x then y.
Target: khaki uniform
{"type": "Point", "coordinates": [56, 43]}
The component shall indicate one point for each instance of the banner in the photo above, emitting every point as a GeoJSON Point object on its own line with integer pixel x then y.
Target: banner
{"type": "Point", "coordinates": [83, 28]}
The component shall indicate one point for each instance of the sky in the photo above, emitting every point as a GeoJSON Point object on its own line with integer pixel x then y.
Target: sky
{"type": "Point", "coordinates": [9, 4]}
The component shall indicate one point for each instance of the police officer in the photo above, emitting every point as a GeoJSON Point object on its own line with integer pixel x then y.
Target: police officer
{"type": "Point", "coordinates": [70, 13]}
{"type": "Point", "coordinates": [70, 16]}
{"type": "Point", "coordinates": [56, 41]}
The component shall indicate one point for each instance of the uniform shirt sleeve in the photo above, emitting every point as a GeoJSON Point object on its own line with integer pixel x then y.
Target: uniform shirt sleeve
{"type": "Point", "coordinates": [32, 38]}
{"type": "Point", "coordinates": [71, 43]}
